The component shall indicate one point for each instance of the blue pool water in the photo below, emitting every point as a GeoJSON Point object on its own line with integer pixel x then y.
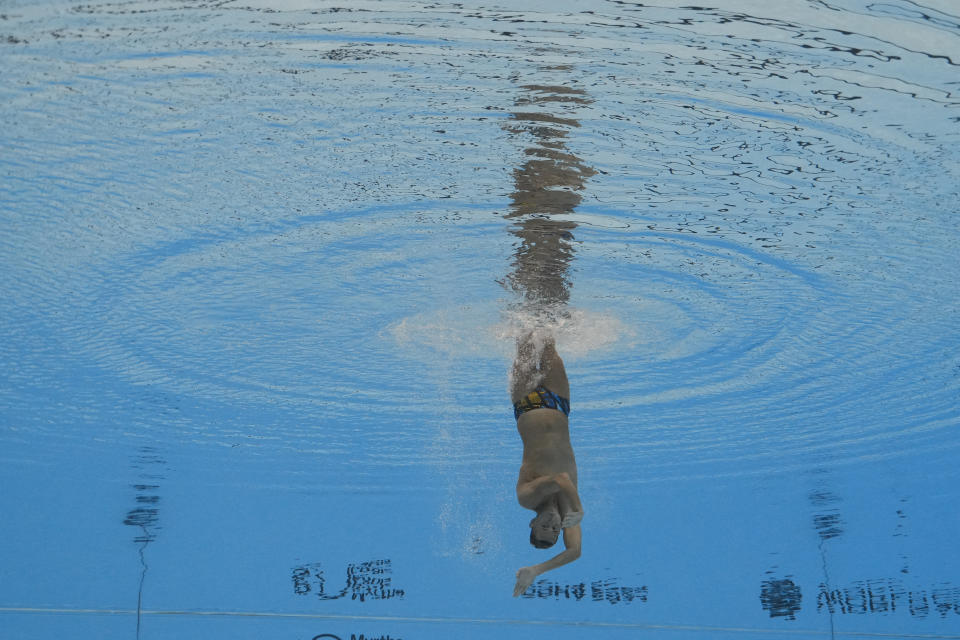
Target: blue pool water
{"type": "Point", "coordinates": [263, 264]}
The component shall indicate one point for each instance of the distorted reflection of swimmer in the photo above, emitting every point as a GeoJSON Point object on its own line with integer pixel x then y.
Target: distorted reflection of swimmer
{"type": "Point", "coordinates": [547, 483]}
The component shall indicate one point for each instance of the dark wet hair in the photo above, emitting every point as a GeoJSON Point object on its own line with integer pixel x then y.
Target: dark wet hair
{"type": "Point", "coordinates": [540, 544]}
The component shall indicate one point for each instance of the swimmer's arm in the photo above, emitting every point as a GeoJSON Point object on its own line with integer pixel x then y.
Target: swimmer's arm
{"type": "Point", "coordinates": [531, 494]}
{"type": "Point", "coordinates": [571, 539]}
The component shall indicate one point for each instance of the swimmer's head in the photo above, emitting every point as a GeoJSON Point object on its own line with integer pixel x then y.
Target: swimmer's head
{"type": "Point", "coordinates": [545, 527]}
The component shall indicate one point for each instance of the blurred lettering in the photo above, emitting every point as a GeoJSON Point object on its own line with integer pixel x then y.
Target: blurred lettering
{"type": "Point", "coordinates": [364, 581]}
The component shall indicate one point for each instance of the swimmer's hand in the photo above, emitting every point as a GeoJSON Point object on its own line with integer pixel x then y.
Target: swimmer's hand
{"type": "Point", "coordinates": [572, 519]}
{"type": "Point", "coordinates": [525, 578]}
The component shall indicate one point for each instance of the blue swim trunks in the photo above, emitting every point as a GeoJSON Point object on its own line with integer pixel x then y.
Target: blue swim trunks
{"type": "Point", "coordinates": [541, 398]}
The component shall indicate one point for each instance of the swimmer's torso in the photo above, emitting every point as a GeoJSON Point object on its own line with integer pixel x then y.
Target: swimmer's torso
{"type": "Point", "coordinates": [545, 432]}
{"type": "Point", "coordinates": [546, 445]}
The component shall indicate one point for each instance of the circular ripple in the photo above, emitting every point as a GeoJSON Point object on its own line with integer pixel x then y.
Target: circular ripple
{"type": "Point", "coordinates": [742, 362]}
{"type": "Point", "coordinates": [289, 313]}
{"type": "Point", "coordinates": [763, 253]}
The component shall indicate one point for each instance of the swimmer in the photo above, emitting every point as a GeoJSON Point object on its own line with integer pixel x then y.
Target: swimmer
{"type": "Point", "coordinates": [547, 483]}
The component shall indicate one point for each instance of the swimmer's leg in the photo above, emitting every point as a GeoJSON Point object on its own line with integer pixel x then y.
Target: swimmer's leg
{"type": "Point", "coordinates": [554, 373]}
{"type": "Point", "coordinates": [537, 363]}
{"type": "Point", "coordinates": [525, 375]}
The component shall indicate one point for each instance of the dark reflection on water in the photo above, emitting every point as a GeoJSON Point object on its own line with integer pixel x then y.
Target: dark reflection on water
{"type": "Point", "coordinates": [781, 597]}
{"type": "Point", "coordinates": [900, 531]}
{"type": "Point", "coordinates": [145, 515]}
{"type": "Point", "coordinates": [609, 590]}
{"type": "Point", "coordinates": [827, 521]}
{"type": "Point", "coordinates": [887, 596]}
{"type": "Point", "coordinates": [875, 595]}
{"type": "Point", "coordinates": [369, 580]}
{"type": "Point", "coordinates": [546, 185]}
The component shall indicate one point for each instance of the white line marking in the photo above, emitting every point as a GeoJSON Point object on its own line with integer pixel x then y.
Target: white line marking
{"type": "Point", "coordinates": [569, 623]}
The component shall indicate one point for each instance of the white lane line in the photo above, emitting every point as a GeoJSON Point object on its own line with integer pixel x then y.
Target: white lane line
{"type": "Point", "coordinates": [569, 623]}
